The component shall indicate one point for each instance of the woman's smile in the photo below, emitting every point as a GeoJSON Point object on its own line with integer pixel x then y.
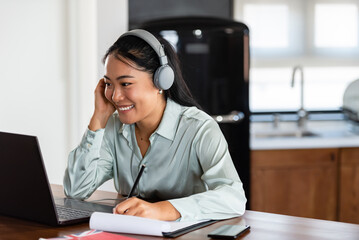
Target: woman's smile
{"type": "Point", "coordinates": [125, 108]}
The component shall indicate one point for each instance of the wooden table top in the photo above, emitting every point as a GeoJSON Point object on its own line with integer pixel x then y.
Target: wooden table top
{"type": "Point", "coordinates": [263, 226]}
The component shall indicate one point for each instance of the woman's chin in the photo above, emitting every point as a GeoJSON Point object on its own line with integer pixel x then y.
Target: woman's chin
{"type": "Point", "coordinates": [126, 120]}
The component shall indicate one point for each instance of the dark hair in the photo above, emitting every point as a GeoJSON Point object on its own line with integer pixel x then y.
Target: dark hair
{"type": "Point", "coordinates": [138, 51]}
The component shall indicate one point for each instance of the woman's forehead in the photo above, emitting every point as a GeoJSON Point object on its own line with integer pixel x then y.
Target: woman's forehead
{"type": "Point", "coordinates": [118, 57]}
{"type": "Point", "coordinates": [115, 67]}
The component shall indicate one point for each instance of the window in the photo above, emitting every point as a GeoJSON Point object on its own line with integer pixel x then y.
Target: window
{"type": "Point", "coordinates": [261, 16]}
{"type": "Point", "coordinates": [340, 31]}
{"type": "Point", "coordinates": [321, 36]}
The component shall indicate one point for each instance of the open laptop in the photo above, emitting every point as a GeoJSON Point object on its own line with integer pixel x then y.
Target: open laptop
{"type": "Point", "coordinates": [25, 189]}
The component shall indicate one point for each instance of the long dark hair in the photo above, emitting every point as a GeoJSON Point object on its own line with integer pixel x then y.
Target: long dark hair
{"type": "Point", "coordinates": [138, 51]}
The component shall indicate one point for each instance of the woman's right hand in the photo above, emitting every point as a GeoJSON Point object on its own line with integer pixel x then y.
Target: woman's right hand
{"type": "Point", "coordinates": [103, 108]}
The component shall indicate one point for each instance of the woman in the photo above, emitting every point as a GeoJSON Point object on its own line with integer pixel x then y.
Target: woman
{"type": "Point", "coordinates": [189, 173]}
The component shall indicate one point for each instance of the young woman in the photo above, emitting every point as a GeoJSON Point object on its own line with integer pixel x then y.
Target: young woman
{"type": "Point", "coordinates": [141, 118]}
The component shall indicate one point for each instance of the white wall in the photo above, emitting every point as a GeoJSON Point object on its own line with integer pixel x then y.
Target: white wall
{"type": "Point", "coordinates": [33, 75]}
{"type": "Point", "coordinates": [49, 66]}
{"type": "Point", "coordinates": [112, 22]}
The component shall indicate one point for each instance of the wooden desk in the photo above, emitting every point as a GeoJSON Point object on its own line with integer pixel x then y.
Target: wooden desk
{"type": "Point", "coordinates": [263, 226]}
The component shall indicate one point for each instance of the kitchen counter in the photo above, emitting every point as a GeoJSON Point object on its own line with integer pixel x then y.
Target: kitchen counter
{"type": "Point", "coordinates": [328, 134]}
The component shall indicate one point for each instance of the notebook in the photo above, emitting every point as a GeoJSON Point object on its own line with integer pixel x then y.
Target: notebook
{"type": "Point", "coordinates": [130, 224]}
{"type": "Point", "coordinates": [25, 189]}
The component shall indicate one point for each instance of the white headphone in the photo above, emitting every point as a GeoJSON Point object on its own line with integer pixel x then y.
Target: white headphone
{"type": "Point", "coordinates": [164, 75]}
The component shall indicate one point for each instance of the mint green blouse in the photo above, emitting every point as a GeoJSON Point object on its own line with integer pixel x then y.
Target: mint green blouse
{"type": "Point", "coordinates": [187, 163]}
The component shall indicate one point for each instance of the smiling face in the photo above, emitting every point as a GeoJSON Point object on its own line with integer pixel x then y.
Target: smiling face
{"type": "Point", "coordinates": [132, 92]}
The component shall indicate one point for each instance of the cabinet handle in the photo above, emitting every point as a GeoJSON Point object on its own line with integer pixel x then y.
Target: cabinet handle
{"type": "Point", "coordinates": [332, 157]}
{"type": "Point", "coordinates": [232, 117]}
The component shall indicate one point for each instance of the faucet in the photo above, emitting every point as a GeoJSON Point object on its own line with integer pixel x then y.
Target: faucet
{"type": "Point", "coordinates": [302, 113]}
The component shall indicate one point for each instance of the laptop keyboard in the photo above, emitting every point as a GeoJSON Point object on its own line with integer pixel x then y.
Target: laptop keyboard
{"type": "Point", "coordinates": [70, 213]}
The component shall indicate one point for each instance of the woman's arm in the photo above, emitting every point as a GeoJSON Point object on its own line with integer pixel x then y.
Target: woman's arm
{"type": "Point", "coordinates": [89, 165]}
{"type": "Point", "coordinates": [225, 197]}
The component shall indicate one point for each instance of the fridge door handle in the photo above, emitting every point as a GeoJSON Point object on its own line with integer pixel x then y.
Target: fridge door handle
{"type": "Point", "coordinates": [232, 117]}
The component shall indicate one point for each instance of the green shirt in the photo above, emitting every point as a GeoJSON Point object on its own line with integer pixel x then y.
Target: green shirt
{"type": "Point", "coordinates": [187, 163]}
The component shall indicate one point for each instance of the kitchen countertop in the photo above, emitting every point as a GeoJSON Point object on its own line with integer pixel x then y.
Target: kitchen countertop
{"type": "Point", "coordinates": [329, 134]}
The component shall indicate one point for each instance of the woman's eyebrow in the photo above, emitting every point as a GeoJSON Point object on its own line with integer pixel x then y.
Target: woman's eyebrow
{"type": "Point", "coordinates": [120, 77]}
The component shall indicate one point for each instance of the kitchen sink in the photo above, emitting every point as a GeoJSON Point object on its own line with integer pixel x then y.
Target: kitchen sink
{"type": "Point", "coordinates": [285, 134]}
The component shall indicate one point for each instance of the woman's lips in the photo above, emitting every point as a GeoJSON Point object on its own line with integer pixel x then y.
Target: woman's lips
{"type": "Point", "coordinates": [125, 108]}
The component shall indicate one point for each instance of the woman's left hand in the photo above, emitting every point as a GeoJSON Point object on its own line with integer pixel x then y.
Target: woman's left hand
{"type": "Point", "coordinates": [133, 206]}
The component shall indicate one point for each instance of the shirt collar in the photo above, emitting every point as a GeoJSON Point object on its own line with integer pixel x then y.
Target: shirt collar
{"type": "Point", "coordinates": [125, 130]}
{"type": "Point", "coordinates": [170, 120]}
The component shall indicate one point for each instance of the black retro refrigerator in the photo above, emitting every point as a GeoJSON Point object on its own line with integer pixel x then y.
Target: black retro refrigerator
{"type": "Point", "coordinates": [214, 54]}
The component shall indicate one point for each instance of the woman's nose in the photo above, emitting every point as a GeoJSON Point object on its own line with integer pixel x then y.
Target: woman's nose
{"type": "Point", "coordinates": [117, 95]}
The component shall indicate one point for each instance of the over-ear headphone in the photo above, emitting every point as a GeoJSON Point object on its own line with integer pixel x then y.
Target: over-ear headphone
{"type": "Point", "coordinates": [164, 76]}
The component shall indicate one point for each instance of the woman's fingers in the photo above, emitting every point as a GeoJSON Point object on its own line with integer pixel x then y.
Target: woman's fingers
{"type": "Point", "coordinates": [135, 207]}
{"type": "Point", "coordinates": [163, 210]}
{"type": "Point", "coordinates": [102, 104]}
{"type": "Point", "coordinates": [125, 206]}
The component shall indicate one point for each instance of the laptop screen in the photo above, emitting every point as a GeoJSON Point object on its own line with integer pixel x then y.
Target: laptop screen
{"type": "Point", "coordinates": [24, 185]}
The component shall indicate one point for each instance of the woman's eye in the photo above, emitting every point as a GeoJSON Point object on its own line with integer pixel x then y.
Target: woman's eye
{"type": "Point", "coordinates": [108, 84]}
{"type": "Point", "coordinates": [125, 84]}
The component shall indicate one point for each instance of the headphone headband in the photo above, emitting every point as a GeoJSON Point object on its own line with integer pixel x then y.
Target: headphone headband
{"type": "Point", "coordinates": [151, 40]}
{"type": "Point", "coordinates": [164, 76]}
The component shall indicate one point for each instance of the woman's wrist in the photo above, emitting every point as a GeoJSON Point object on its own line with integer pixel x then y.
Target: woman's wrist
{"type": "Point", "coordinates": [169, 212]}
{"type": "Point", "coordinates": [98, 121]}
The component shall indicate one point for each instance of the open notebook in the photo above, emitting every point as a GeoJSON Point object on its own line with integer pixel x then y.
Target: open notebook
{"type": "Point", "coordinates": [144, 226]}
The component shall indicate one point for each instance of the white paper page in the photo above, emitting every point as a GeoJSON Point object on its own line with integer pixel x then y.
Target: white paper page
{"type": "Point", "coordinates": [135, 225]}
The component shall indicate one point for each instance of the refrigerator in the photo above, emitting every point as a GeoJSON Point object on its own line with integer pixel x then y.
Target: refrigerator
{"type": "Point", "coordinates": [214, 55]}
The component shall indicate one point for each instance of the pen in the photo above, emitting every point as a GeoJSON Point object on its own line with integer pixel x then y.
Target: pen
{"type": "Point", "coordinates": [136, 181]}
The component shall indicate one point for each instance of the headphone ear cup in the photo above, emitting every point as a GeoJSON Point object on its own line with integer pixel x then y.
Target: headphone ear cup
{"type": "Point", "coordinates": [164, 77]}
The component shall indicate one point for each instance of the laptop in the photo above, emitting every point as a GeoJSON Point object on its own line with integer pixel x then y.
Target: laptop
{"type": "Point", "coordinates": [25, 189]}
